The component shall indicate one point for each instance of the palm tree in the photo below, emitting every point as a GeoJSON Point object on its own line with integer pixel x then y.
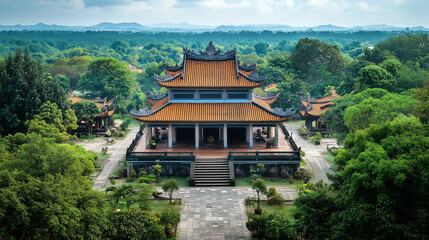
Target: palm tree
{"type": "Point", "coordinates": [124, 192]}
{"type": "Point", "coordinates": [170, 186]}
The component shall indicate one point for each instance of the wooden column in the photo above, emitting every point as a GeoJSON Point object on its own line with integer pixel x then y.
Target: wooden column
{"type": "Point", "coordinates": [250, 135]}
{"type": "Point", "coordinates": [197, 135]}
{"type": "Point", "coordinates": [277, 135]}
{"type": "Point", "coordinates": [148, 132]}
{"type": "Point", "coordinates": [174, 135]}
{"type": "Point", "coordinates": [170, 135]}
{"type": "Point", "coordinates": [225, 135]}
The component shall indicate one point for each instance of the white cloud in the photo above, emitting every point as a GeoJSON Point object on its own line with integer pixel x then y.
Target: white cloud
{"type": "Point", "coordinates": [368, 8]}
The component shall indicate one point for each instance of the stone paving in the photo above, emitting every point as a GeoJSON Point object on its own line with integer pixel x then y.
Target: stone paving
{"type": "Point", "coordinates": [116, 153]}
{"type": "Point", "coordinates": [217, 212]}
{"type": "Point", "coordinates": [313, 153]}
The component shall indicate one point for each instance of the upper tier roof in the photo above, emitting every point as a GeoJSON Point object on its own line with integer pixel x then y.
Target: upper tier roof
{"type": "Point", "coordinates": [210, 69]}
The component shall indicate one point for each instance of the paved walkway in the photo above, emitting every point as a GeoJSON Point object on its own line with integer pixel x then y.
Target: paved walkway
{"type": "Point", "coordinates": [117, 153]}
{"type": "Point", "coordinates": [313, 153]}
{"type": "Point", "coordinates": [217, 212]}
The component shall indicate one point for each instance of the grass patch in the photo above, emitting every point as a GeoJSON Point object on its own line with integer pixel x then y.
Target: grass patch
{"type": "Point", "coordinates": [133, 122]}
{"type": "Point", "coordinates": [270, 182]}
{"type": "Point", "coordinates": [181, 181]}
{"type": "Point", "coordinates": [287, 209]}
{"type": "Point", "coordinates": [102, 156]}
{"type": "Point", "coordinates": [330, 159]}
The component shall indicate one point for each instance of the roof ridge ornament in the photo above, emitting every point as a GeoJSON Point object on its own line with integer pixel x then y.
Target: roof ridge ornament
{"type": "Point", "coordinates": [211, 53]}
{"type": "Point", "coordinates": [247, 67]}
{"type": "Point", "coordinates": [279, 111]}
{"type": "Point", "coordinates": [266, 95]}
{"type": "Point", "coordinates": [167, 77]}
{"type": "Point", "coordinates": [155, 96]}
{"type": "Point", "coordinates": [142, 112]}
{"type": "Point", "coordinates": [172, 68]}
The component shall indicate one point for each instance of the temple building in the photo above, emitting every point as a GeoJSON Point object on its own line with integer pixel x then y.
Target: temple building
{"type": "Point", "coordinates": [313, 109]}
{"type": "Point", "coordinates": [102, 121]}
{"type": "Point", "coordinates": [210, 101]}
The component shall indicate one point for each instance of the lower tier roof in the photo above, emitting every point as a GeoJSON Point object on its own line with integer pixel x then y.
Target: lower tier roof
{"type": "Point", "coordinates": [247, 112]}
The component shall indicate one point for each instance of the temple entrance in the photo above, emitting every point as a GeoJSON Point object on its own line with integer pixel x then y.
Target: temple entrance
{"type": "Point", "coordinates": [185, 135]}
{"type": "Point", "coordinates": [236, 135]}
{"type": "Point", "coordinates": [210, 135]}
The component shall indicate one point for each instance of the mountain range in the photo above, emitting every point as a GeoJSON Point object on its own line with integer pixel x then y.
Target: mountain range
{"type": "Point", "coordinates": [186, 27]}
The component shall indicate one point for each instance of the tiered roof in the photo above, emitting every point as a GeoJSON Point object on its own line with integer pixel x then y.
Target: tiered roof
{"type": "Point", "coordinates": [315, 107]}
{"type": "Point", "coordinates": [103, 104]}
{"type": "Point", "coordinates": [210, 69]}
{"type": "Point", "coordinates": [211, 113]}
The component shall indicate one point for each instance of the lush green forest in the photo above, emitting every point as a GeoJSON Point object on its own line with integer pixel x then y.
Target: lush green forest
{"type": "Point", "coordinates": [380, 190]}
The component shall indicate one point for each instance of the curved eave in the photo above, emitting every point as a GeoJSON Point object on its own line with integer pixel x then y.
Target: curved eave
{"type": "Point", "coordinates": [211, 112]}
{"type": "Point", "coordinates": [154, 101]}
{"type": "Point", "coordinates": [172, 68]}
{"type": "Point", "coordinates": [269, 100]}
{"type": "Point", "coordinates": [160, 79]}
{"type": "Point", "coordinates": [253, 79]}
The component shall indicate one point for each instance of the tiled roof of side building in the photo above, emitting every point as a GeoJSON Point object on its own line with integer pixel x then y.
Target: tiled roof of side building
{"type": "Point", "coordinates": [318, 106]}
{"type": "Point", "coordinates": [211, 74]}
{"type": "Point", "coordinates": [99, 103]}
{"type": "Point", "coordinates": [210, 113]}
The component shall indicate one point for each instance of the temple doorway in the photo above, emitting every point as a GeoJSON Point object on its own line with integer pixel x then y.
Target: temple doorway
{"type": "Point", "coordinates": [236, 135]}
{"type": "Point", "coordinates": [185, 135]}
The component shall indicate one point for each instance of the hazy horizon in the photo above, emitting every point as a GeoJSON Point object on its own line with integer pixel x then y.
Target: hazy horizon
{"type": "Point", "coordinates": [305, 13]}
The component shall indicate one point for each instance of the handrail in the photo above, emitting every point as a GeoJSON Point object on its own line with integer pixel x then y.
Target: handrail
{"type": "Point", "coordinates": [136, 139]}
{"type": "Point", "coordinates": [264, 155]}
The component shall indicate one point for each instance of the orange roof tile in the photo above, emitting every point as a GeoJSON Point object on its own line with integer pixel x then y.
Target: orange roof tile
{"type": "Point", "coordinates": [210, 74]}
{"type": "Point", "coordinates": [159, 103]}
{"type": "Point", "coordinates": [319, 105]}
{"type": "Point", "coordinates": [211, 112]}
{"type": "Point", "coordinates": [76, 99]}
{"type": "Point", "coordinates": [263, 103]}
{"type": "Point", "coordinates": [173, 73]}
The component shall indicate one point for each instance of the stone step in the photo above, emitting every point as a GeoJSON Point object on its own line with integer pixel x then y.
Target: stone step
{"type": "Point", "coordinates": [212, 184]}
{"type": "Point", "coordinates": [212, 174]}
{"type": "Point", "coordinates": [211, 167]}
{"type": "Point", "coordinates": [211, 179]}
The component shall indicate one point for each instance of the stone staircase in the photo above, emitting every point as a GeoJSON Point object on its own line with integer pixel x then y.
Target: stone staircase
{"type": "Point", "coordinates": [212, 172]}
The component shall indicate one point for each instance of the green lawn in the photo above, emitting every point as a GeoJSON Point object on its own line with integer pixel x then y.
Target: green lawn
{"type": "Point", "coordinates": [287, 209]}
{"type": "Point", "coordinates": [330, 158]}
{"type": "Point", "coordinates": [270, 182]}
{"type": "Point", "coordinates": [102, 156]}
{"type": "Point", "coordinates": [181, 181]}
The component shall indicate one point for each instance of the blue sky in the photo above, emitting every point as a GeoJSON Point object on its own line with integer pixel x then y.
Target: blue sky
{"type": "Point", "coordinates": [217, 12]}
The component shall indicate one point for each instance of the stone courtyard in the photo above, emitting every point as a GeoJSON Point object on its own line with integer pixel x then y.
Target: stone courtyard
{"type": "Point", "coordinates": [217, 212]}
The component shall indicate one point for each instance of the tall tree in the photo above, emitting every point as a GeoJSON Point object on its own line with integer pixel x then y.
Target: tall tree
{"type": "Point", "coordinates": [24, 88]}
{"type": "Point", "coordinates": [107, 77]}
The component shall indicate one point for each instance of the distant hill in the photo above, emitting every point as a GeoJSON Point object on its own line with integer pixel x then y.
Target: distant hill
{"type": "Point", "coordinates": [186, 27]}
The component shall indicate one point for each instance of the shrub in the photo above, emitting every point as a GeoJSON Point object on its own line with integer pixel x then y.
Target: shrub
{"type": "Point", "coordinates": [170, 217]}
{"type": "Point", "coordinates": [277, 226]}
{"type": "Point", "coordinates": [133, 173]}
{"type": "Point", "coordinates": [276, 199]}
{"type": "Point", "coordinates": [302, 131]}
{"type": "Point", "coordinates": [302, 153]}
{"type": "Point", "coordinates": [271, 192]}
{"type": "Point", "coordinates": [317, 137]}
{"type": "Point", "coordinates": [142, 174]}
{"type": "Point", "coordinates": [256, 225]}
{"type": "Point", "coordinates": [129, 179]}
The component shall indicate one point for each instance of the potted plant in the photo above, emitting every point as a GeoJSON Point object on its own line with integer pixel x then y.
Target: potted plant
{"type": "Point", "coordinates": [317, 138]}
{"type": "Point", "coordinates": [270, 143]}
{"type": "Point", "coordinates": [260, 187]}
{"type": "Point", "coordinates": [157, 169]}
{"type": "Point", "coordinates": [152, 143]}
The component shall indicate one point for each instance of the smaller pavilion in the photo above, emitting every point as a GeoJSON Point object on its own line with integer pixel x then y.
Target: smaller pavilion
{"type": "Point", "coordinates": [103, 120]}
{"type": "Point", "coordinates": [313, 109]}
